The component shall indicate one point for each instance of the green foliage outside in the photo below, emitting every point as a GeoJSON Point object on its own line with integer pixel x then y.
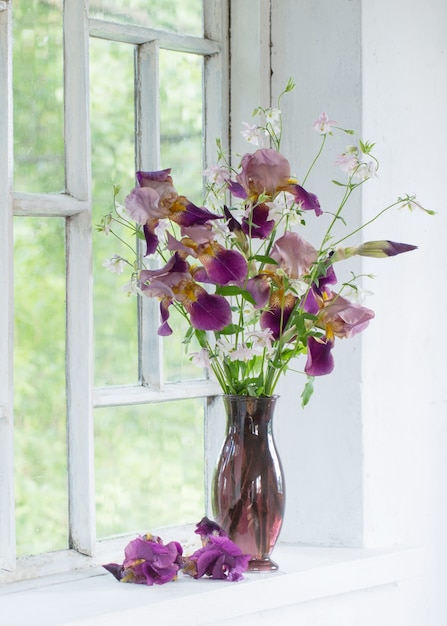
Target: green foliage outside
{"type": "Point", "coordinates": [149, 459]}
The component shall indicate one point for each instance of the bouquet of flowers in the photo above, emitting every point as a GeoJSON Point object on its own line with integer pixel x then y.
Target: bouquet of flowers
{"type": "Point", "coordinates": [255, 293]}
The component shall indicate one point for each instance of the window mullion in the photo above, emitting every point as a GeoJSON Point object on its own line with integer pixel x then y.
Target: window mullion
{"type": "Point", "coordinates": [79, 318]}
{"type": "Point", "coordinates": [7, 516]}
{"type": "Point", "coordinates": [147, 145]}
{"type": "Point", "coordinates": [216, 124]}
{"type": "Point", "coordinates": [216, 79]}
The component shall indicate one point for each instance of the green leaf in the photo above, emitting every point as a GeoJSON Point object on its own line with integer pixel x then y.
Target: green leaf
{"type": "Point", "coordinates": [229, 290]}
{"type": "Point", "coordinates": [231, 329]}
{"type": "Point", "coordinates": [307, 391]}
{"type": "Point", "coordinates": [233, 290]}
{"type": "Point", "coordinates": [263, 258]}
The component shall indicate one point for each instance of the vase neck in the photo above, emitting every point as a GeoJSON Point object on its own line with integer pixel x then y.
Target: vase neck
{"type": "Point", "coordinates": [246, 413]}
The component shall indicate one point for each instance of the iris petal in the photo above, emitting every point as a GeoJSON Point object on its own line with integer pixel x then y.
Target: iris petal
{"type": "Point", "coordinates": [307, 200]}
{"type": "Point", "coordinates": [210, 312]}
{"type": "Point", "coordinates": [223, 266]}
{"type": "Point", "coordinates": [319, 357]}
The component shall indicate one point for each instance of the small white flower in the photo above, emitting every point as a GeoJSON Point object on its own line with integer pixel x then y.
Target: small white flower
{"type": "Point", "coordinates": [357, 294]}
{"type": "Point", "coordinates": [217, 174]}
{"type": "Point", "coordinates": [131, 288]}
{"type": "Point", "coordinates": [253, 134]}
{"type": "Point", "coordinates": [107, 223]}
{"type": "Point", "coordinates": [242, 353]}
{"type": "Point", "coordinates": [115, 265]}
{"type": "Point", "coordinates": [201, 358]}
{"type": "Point", "coordinates": [273, 118]}
{"type": "Point", "coordinates": [323, 124]}
{"type": "Point", "coordinates": [282, 205]}
{"type": "Point", "coordinates": [220, 229]}
{"type": "Point", "coordinates": [121, 210]}
{"type": "Point", "coordinates": [262, 340]}
{"type": "Point", "coordinates": [347, 162]}
{"type": "Point", "coordinates": [224, 346]}
{"type": "Point", "coordinates": [298, 287]}
{"type": "Point", "coordinates": [366, 170]}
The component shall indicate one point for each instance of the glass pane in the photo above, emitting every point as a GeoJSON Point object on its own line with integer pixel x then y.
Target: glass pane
{"type": "Point", "coordinates": [38, 96]}
{"type": "Point", "coordinates": [113, 162]}
{"type": "Point", "coordinates": [181, 121]}
{"type": "Point", "coordinates": [184, 16]}
{"type": "Point", "coordinates": [149, 466]}
{"type": "Point", "coordinates": [39, 376]}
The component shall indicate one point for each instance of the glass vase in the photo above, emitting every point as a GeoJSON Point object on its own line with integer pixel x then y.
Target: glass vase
{"type": "Point", "coordinates": [248, 495]}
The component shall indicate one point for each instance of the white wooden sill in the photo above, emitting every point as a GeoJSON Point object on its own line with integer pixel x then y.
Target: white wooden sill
{"type": "Point", "coordinates": [92, 597]}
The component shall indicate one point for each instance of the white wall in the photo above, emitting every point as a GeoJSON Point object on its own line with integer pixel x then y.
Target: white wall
{"type": "Point", "coordinates": [366, 463]}
{"type": "Point", "coordinates": [405, 395]}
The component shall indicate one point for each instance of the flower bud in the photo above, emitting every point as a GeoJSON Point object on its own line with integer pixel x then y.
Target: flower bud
{"type": "Point", "coordinates": [384, 248]}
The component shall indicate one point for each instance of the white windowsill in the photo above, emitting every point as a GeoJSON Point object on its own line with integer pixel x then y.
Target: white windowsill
{"type": "Point", "coordinates": [92, 597]}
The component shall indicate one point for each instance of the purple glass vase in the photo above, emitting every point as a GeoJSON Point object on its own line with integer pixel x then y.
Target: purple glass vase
{"type": "Point", "coordinates": [248, 494]}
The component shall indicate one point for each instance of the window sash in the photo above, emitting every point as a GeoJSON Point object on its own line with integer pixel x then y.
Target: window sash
{"type": "Point", "coordinates": [75, 206]}
{"type": "Point", "coordinates": [7, 528]}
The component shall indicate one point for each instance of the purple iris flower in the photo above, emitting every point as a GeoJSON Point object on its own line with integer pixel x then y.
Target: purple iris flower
{"type": "Point", "coordinates": [259, 288]}
{"type": "Point", "coordinates": [158, 283]}
{"type": "Point", "coordinates": [206, 527]}
{"type": "Point", "coordinates": [223, 266]}
{"type": "Point", "coordinates": [293, 254]}
{"type": "Point", "coordinates": [220, 558]}
{"type": "Point", "coordinates": [237, 190]}
{"type": "Point", "coordinates": [266, 171]}
{"type": "Point", "coordinates": [278, 313]}
{"type": "Point", "coordinates": [156, 198]}
{"type": "Point", "coordinates": [185, 213]}
{"type": "Point", "coordinates": [343, 318]}
{"type": "Point", "coordinates": [232, 223]}
{"type": "Point", "coordinates": [258, 226]}
{"type": "Point", "coordinates": [209, 311]}
{"type": "Point", "coordinates": [148, 561]}
{"type": "Point", "coordinates": [319, 357]}
{"type": "Point", "coordinates": [174, 281]}
{"type": "Point", "coordinates": [307, 201]}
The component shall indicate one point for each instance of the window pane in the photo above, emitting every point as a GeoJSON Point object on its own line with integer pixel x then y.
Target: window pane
{"type": "Point", "coordinates": [149, 466]}
{"type": "Point", "coordinates": [112, 123]}
{"type": "Point", "coordinates": [38, 96]}
{"type": "Point", "coordinates": [181, 121]}
{"type": "Point", "coordinates": [39, 376]}
{"type": "Point", "coordinates": [184, 16]}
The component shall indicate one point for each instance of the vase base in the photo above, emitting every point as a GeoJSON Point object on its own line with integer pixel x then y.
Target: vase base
{"type": "Point", "coordinates": [262, 565]}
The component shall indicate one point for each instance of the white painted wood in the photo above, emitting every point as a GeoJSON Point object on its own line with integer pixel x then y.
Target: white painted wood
{"type": "Point", "coordinates": [216, 79]}
{"type": "Point", "coordinates": [250, 64]}
{"type": "Point", "coordinates": [79, 323]}
{"type": "Point", "coordinates": [313, 587]}
{"type": "Point", "coordinates": [147, 146]}
{"type": "Point", "coordinates": [7, 518]}
{"type": "Point", "coordinates": [216, 107]}
{"type": "Point", "coordinates": [119, 396]}
{"type": "Point", "coordinates": [47, 205]}
{"type": "Point", "coordinates": [321, 445]}
{"type": "Point", "coordinates": [128, 33]}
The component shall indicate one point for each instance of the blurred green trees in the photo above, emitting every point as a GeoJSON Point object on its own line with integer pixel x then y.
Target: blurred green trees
{"type": "Point", "coordinates": [149, 460]}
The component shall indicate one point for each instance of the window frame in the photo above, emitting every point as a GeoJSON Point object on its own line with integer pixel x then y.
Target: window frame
{"type": "Point", "coordinates": [75, 206]}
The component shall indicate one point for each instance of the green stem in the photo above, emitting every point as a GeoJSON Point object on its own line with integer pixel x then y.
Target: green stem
{"type": "Point", "coordinates": [314, 161]}
{"type": "Point", "coordinates": [373, 219]}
